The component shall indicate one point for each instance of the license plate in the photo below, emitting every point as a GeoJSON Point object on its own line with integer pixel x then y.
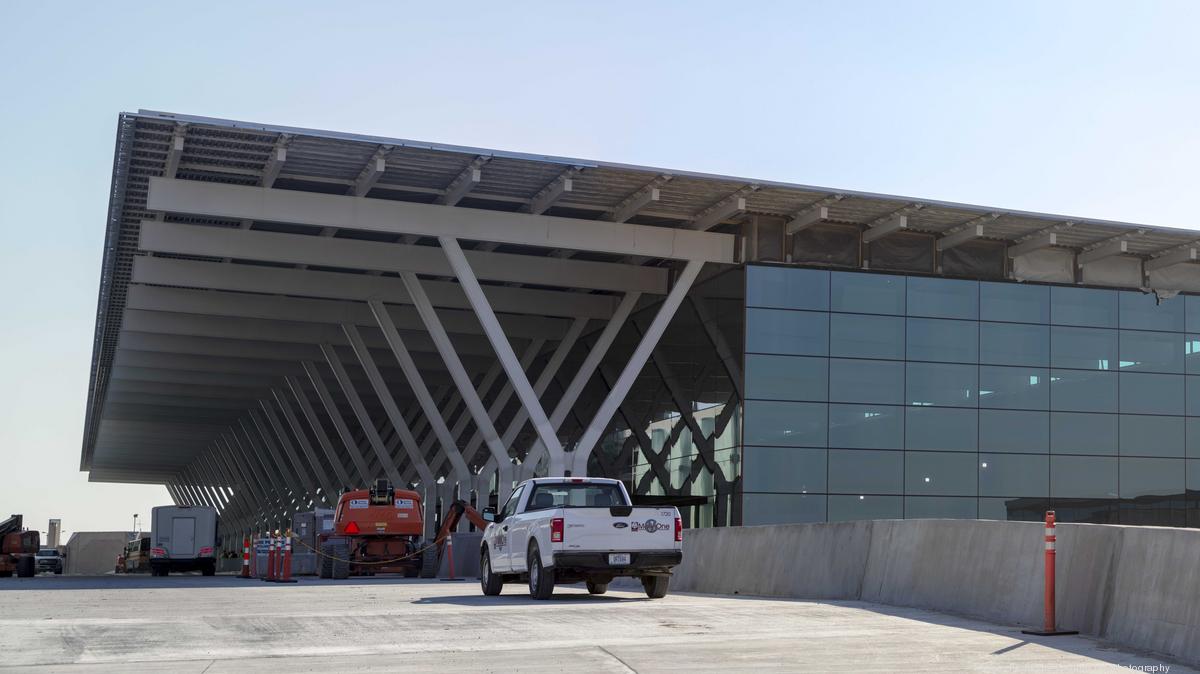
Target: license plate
{"type": "Point", "coordinates": [618, 559]}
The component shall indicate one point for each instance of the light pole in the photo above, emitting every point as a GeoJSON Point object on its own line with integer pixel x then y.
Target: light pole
{"type": "Point", "coordinates": [135, 529]}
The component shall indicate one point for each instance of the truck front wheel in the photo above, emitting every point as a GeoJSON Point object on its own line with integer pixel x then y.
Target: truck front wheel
{"type": "Point", "coordinates": [491, 583]}
{"type": "Point", "coordinates": [541, 579]}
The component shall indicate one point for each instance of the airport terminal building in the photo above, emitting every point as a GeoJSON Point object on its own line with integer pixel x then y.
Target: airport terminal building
{"type": "Point", "coordinates": [284, 313]}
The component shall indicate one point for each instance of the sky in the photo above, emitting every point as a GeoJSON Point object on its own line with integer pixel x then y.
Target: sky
{"type": "Point", "coordinates": [1083, 108]}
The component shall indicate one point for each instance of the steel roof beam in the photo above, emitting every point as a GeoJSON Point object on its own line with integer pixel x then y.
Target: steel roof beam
{"type": "Point", "coordinates": [371, 173]}
{"type": "Point", "coordinates": [646, 195]}
{"type": "Point", "coordinates": [959, 237]}
{"type": "Point", "coordinates": [275, 160]}
{"type": "Point", "coordinates": [545, 198]}
{"type": "Point", "coordinates": [728, 207]}
{"type": "Point", "coordinates": [397, 217]}
{"type": "Point", "coordinates": [1181, 256]}
{"type": "Point", "coordinates": [1102, 252]}
{"type": "Point", "coordinates": [175, 151]}
{"type": "Point", "coordinates": [467, 180]}
{"type": "Point", "coordinates": [1036, 242]}
{"type": "Point", "coordinates": [225, 242]}
{"type": "Point", "coordinates": [890, 225]}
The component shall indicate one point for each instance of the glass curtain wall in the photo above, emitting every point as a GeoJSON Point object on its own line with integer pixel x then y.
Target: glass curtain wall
{"type": "Point", "coordinates": [875, 395]}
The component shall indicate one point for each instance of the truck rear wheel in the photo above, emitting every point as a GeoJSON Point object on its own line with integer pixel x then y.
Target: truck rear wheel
{"type": "Point", "coordinates": [490, 582]}
{"type": "Point", "coordinates": [209, 569]}
{"type": "Point", "coordinates": [26, 567]}
{"type": "Point", "coordinates": [656, 586]}
{"type": "Point", "coordinates": [541, 579]}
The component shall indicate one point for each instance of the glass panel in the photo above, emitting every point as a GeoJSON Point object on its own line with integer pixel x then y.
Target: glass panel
{"type": "Point", "coordinates": [1010, 431]}
{"type": "Point", "coordinates": [1193, 438]}
{"type": "Point", "coordinates": [1083, 348]}
{"type": "Point", "coordinates": [1092, 511]}
{"type": "Point", "coordinates": [1151, 352]}
{"type": "Point", "coordinates": [941, 429]}
{"type": "Point", "coordinates": [944, 341]}
{"type": "Point", "coordinates": [784, 469]}
{"type": "Point", "coordinates": [1192, 305]}
{"type": "Point", "coordinates": [1075, 433]}
{"type": "Point", "coordinates": [1192, 408]}
{"type": "Point", "coordinates": [860, 471]}
{"type": "Point", "coordinates": [778, 423]}
{"type": "Point", "coordinates": [941, 384]}
{"type": "Point", "coordinates": [1145, 477]}
{"type": "Point", "coordinates": [1144, 311]}
{"type": "Point", "coordinates": [1191, 353]}
{"type": "Point", "coordinates": [787, 288]}
{"type": "Point", "coordinates": [1152, 393]}
{"type": "Point", "coordinates": [866, 426]}
{"type": "Point", "coordinates": [1014, 475]}
{"type": "Point", "coordinates": [1083, 306]}
{"type": "Point", "coordinates": [1014, 344]}
{"type": "Point", "coordinates": [1193, 475]}
{"type": "Point", "coordinates": [865, 507]}
{"type": "Point", "coordinates": [1083, 477]}
{"type": "Point", "coordinates": [786, 377]}
{"type": "Point", "coordinates": [866, 336]}
{"type": "Point", "coordinates": [939, 507]}
{"type": "Point", "coordinates": [802, 333]}
{"type": "Point", "coordinates": [1014, 388]}
{"type": "Point", "coordinates": [867, 293]}
{"type": "Point", "coordinates": [782, 509]}
{"type": "Point", "coordinates": [866, 381]}
{"type": "Point", "coordinates": [1014, 302]}
{"type": "Point", "coordinates": [1151, 435]}
{"type": "Point", "coordinates": [1013, 509]}
{"type": "Point", "coordinates": [943, 298]}
{"type": "Point", "coordinates": [940, 474]}
{"type": "Point", "coordinates": [1082, 391]}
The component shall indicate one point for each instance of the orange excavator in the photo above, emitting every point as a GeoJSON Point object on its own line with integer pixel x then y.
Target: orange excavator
{"type": "Point", "coordinates": [17, 548]}
{"type": "Point", "coordinates": [379, 530]}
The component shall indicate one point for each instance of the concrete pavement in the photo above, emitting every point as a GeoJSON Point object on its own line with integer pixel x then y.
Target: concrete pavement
{"type": "Point", "coordinates": [224, 624]}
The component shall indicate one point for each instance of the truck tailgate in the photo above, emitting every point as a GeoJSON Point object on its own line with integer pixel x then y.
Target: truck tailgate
{"type": "Point", "coordinates": [597, 529]}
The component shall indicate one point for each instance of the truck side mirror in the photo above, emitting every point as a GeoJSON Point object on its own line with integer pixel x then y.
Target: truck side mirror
{"type": "Point", "coordinates": [489, 514]}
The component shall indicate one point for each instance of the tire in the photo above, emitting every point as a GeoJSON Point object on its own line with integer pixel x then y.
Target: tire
{"type": "Point", "coordinates": [490, 582]}
{"type": "Point", "coordinates": [341, 563]}
{"type": "Point", "coordinates": [656, 586]}
{"type": "Point", "coordinates": [26, 567]}
{"type": "Point", "coordinates": [541, 579]}
{"type": "Point", "coordinates": [597, 588]}
{"type": "Point", "coordinates": [5, 574]}
{"type": "Point", "coordinates": [209, 569]}
{"type": "Point", "coordinates": [429, 562]}
{"type": "Point", "coordinates": [58, 571]}
{"type": "Point", "coordinates": [325, 570]}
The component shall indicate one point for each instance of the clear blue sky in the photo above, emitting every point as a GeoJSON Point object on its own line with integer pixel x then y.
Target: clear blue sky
{"type": "Point", "coordinates": [1082, 108]}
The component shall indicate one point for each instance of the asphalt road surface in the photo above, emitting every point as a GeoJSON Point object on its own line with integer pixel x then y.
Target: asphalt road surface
{"type": "Point", "coordinates": [225, 624]}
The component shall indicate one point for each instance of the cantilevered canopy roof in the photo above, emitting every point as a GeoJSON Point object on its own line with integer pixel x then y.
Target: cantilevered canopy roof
{"type": "Point", "coordinates": [236, 255]}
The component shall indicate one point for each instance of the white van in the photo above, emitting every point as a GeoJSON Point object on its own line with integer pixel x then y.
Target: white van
{"type": "Point", "coordinates": [183, 538]}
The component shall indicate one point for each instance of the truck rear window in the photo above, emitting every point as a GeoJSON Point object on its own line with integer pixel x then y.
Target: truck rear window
{"type": "Point", "coordinates": [575, 495]}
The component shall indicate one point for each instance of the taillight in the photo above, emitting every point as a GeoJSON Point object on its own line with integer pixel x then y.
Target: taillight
{"type": "Point", "coordinates": [678, 530]}
{"type": "Point", "coordinates": [556, 530]}
{"type": "Point", "coordinates": [206, 552]}
{"type": "Point", "coordinates": [158, 552]}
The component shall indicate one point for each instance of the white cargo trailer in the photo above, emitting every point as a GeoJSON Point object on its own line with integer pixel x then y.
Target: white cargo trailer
{"type": "Point", "coordinates": [183, 538]}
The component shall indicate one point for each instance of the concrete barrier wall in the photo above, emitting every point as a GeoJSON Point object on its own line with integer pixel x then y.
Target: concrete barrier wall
{"type": "Point", "coordinates": [1136, 586]}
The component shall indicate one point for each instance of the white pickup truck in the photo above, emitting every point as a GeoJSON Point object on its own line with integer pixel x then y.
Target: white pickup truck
{"type": "Point", "coordinates": [571, 529]}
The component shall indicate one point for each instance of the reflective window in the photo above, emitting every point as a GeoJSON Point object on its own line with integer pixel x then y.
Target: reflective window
{"type": "Point", "coordinates": [1193, 475]}
{"type": "Point", "coordinates": [866, 426]}
{"type": "Point", "coordinates": [1151, 351]}
{"type": "Point", "coordinates": [1083, 477]}
{"type": "Point", "coordinates": [943, 298]}
{"type": "Point", "coordinates": [1192, 427]}
{"type": "Point", "coordinates": [1192, 387]}
{"type": "Point", "coordinates": [940, 474]}
{"type": "Point", "coordinates": [1083, 306]}
{"type": "Point", "coordinates": [941, 429]}
{"type": "Point", "coordinates": [867, 293]}
{"type": "Point", "coordinates": [779, 423]}
{"type": "Point", "coordinates": [787, 288]}
{"type": "Point", "coordinates": [782, 509]}
{"type": "Point", "coordinates": [1144, 311]}
{"type": "Point", "coordinates": [1082, 391]}
{"type": "Point", "coordinates": [1014, 387]}
{"type": "Point", "coordinates": [1191, 305]}
{"type": "Point", "coordinates": [786, 377]}
{"type": "Point", "coordinates": [784, 469]}
{"type": "Point", "coordinates": [865, 507]}
{"type": "Point", "coordinates": [942, 340]}
{"type": "Point", "coordinates": [1083, 348]}
{"type": "Point", "coordinates": [941, 384]}
{"type": "Point", "coordinates": [1014, 431]}
{"type": "Point", "coordinates": [1026, 509]}
{"type": "Point", "coordinates": [802, 333]}
{"type": "Point", "coordinates": [1014, 344]}
{"type": "Point", "coordinates": [866, 381]}
{"type": "Point", "coordinates": [866, 336]}
{"type": "Point", "coordinates": [1014, 302]}
{"type": "Point", "coordinates": [1151, 435]}
{"type": "Point", "coordinates": [1152, 393]}
{"type": "Point", "coordinates": [1191, 353]}
{"type": "Point", "coordinates": [1146, 477]}
{"type": "Point", "coordinates": [860, 471]}
{"type": "Point", "coordinates": [1075, 433]}
{"type": "Point", "coordinates": [1014, 475]}
{"type": "Point", "coordinates": [939, 507]}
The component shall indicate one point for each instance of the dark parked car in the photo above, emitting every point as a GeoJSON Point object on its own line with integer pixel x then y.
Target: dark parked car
{"type": "Point", "coordinates": [48, 559]}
